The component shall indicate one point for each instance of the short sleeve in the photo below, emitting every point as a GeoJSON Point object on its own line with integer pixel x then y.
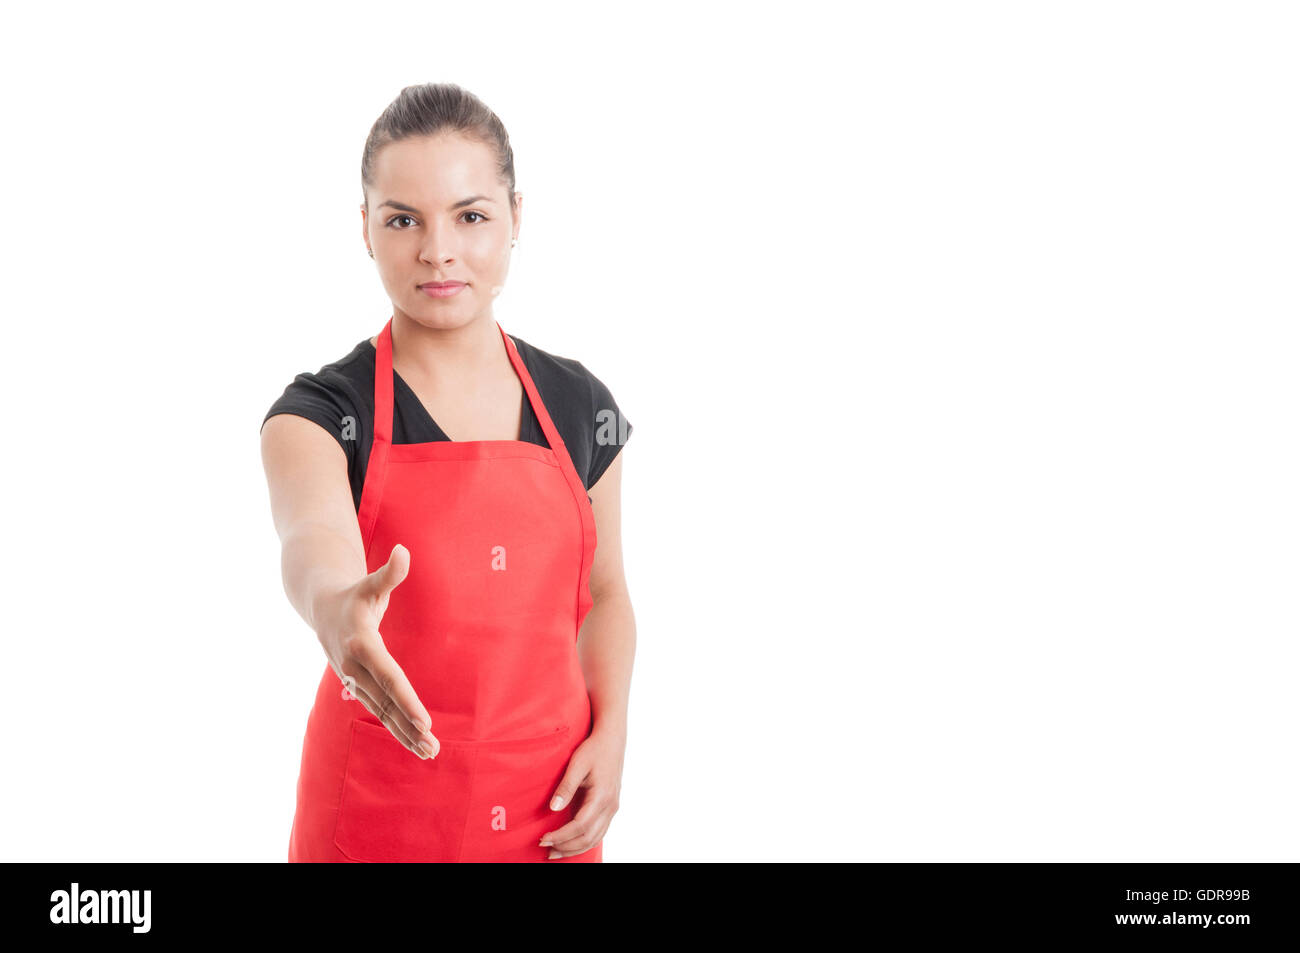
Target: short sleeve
{"type": "Point", "coordinates": [612, 429]}
{"type": "Point", "coordinates": [311, 396]}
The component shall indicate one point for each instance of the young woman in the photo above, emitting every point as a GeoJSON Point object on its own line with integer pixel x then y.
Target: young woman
{"type": "Point", "coordinates": [479, 641]}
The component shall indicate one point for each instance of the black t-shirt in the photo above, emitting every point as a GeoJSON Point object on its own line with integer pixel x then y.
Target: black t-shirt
{"type": "Point", "coordinates": [340, 397]}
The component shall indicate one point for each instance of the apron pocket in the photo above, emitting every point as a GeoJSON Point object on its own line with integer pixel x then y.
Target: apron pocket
{"type": "Point", "coordinates": [397, 807]}
{"type": "Point", "coordinates": [509, 809]}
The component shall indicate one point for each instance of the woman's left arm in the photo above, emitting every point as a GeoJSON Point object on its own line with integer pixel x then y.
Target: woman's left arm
{"type": "Point", "coordinates": [606, 645]}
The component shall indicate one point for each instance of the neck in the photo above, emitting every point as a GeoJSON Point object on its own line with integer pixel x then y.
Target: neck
{"type": "Point", "coordinates": [465, 352]}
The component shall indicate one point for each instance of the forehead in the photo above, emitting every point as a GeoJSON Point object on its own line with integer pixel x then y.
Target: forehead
{"type": "Point", "coordinates": [435, 166]}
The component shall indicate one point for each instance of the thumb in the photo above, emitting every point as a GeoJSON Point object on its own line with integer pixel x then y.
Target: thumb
{"type": "Point", "coordinates": [569, 784]}
{"type": "Point", "coordinates": [387, 577]}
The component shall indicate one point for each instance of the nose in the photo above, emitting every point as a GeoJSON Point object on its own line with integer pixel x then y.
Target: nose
{"type": "Point", "coordinates": [439, 244]}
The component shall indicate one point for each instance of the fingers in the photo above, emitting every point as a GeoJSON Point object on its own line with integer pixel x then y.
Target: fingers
{"type": "Point", "coordinates": [587, 828]}
{"type": "Point", "coordinates": [584, 831]}
{"type": "Point", "coordinates": [385, 691]}
{"type": "Point", "coordinates": [574, 775]}
{"type": "Point", "coordinates": [371, 695]}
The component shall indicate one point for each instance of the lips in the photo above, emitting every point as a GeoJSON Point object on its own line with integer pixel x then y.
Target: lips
{"type": "Point", "coordinates": [442, 289]}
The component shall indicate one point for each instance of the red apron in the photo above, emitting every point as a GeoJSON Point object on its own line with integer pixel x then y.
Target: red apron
{"type": "Point", "coordinates": [485, 626]}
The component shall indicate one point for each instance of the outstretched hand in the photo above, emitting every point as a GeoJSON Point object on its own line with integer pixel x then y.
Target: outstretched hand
{"type": "Point", "coordinates": [348, 628]}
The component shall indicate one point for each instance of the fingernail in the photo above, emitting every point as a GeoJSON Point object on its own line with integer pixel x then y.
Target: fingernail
{"type": "Point", "coordinates": [425, 750]}
{"type": "Point", "coordinates": [557, 802]}
{"type": "Point", "coordinates": [544, 842]}
{"type": "Point", "coordinates": [552, 855]}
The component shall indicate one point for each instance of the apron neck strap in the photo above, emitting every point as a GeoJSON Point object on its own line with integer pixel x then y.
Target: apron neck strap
{"type": "Point", "coordinates": [384, 389]}
{"type": "Point", "coordinates": [384, 385]}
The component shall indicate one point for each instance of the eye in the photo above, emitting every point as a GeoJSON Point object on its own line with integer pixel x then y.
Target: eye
{"type": "Point", "coordinates": [479, 214]}
{"type": "Point", "coordinates": [395, 218]}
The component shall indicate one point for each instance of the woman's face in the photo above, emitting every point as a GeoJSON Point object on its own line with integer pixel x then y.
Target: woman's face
{"type": "Point", "coordinates": [438, 213]}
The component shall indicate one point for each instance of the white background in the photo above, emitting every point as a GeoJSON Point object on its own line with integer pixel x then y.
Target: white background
{"type": "Point", "coordinates": [960, 344]}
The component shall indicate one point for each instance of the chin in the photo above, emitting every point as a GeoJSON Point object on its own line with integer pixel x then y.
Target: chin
{"type": "Point", "coordinates": [441, 318]}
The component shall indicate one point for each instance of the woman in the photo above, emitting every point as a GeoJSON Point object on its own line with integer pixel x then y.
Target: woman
{"type": "Point", "coordinates": [479, 641]}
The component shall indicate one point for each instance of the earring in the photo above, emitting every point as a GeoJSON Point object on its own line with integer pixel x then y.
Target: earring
{"type": "Point", "coordinates": [514, 242]}
{"type": "Point", "coordinates": [372, 254]}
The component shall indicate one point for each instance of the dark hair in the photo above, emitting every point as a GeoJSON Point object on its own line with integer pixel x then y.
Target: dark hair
{"type": "Point", "coordinates": [433, 108]}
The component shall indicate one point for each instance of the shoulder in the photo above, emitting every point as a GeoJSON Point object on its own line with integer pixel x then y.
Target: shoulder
{"type": "Point", "coordinates": [332, 393]}
{"type": "Point", "coordinates": [351, 367]}
{"type": "Point", "coordinates": [582, 406]}
{"type": "Point", "coordinates": [566, 378]}
{"type": "Point", "coordinates": [560, 371]}
{"type": "Point", "coordinates": [344, 375]}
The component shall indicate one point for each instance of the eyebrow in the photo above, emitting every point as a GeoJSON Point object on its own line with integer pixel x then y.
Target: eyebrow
{"type": "Point", "coordinates": [403, 207]}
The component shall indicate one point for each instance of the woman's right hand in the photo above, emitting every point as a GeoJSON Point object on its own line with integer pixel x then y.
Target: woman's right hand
{"type": "Point", "coordinates": [347, 624]}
